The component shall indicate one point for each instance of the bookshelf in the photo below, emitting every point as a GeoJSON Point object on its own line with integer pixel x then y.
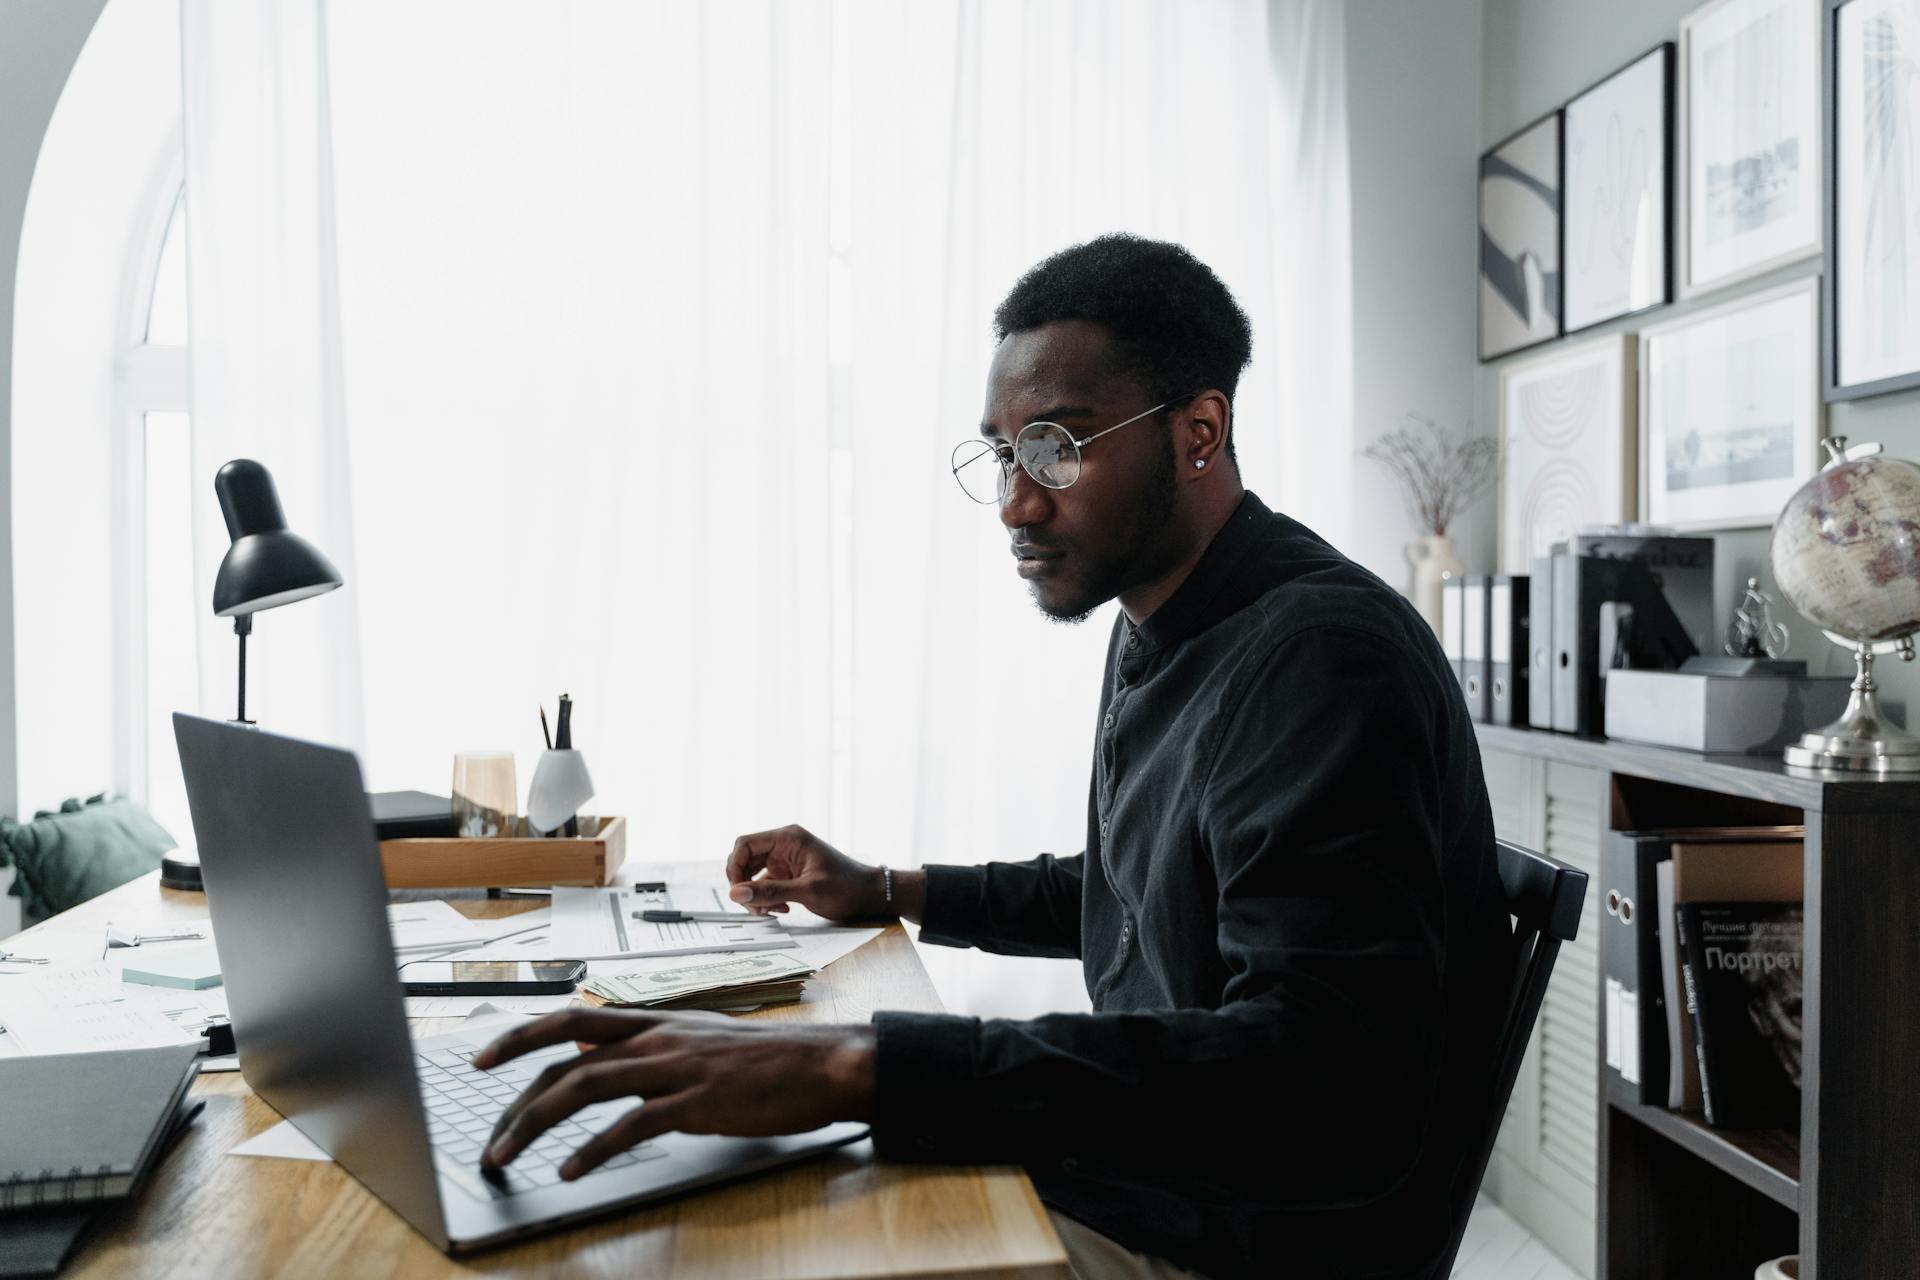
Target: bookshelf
{"type": "Point", "coordinates": [1677, 1198]}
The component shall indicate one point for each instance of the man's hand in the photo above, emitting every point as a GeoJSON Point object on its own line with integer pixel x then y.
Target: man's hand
{"type": "Point", "coordinates": [794, 865]}
{"type": "Point", "coordinates": [697, 1073]}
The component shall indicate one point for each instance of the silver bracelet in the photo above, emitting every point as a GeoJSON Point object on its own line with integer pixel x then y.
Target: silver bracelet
{"type": "Point", "coordinates": [886, 883]}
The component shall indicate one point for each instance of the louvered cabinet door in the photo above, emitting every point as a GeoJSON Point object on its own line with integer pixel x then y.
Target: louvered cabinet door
{"type": "Point", "coordinates": [1545, 1162]}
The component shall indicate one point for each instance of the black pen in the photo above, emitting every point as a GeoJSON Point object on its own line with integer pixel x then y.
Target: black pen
{"type": "Point", "coordinates": [563, 739]}
{"type": "Point", "coordinates": [543, 726]}
{"type": "Point", "coordinates": [712, 917]}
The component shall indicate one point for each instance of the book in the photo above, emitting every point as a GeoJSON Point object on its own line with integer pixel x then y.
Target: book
{"type": "Point", "coordinates": [1742, 973]}
{"type": "Point", "coordinates": [1736, 871]}
{"type": "Point", "coordinates": [85, 1126]}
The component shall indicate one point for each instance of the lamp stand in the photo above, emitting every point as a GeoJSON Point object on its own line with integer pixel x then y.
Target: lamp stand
{"type": "Point", "coordinates": [243, 627]}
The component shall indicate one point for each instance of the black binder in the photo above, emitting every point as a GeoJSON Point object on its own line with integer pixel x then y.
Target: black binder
{"type": "Point", "coordinates": [1633, 1007]}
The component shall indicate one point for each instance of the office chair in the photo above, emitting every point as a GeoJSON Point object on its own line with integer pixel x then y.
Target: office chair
{"type": "Point", "coordinates": [1543, 897]}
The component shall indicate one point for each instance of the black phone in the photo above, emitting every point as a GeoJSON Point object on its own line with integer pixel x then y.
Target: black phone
{"type": "Point", "coordinates": [491, 977]}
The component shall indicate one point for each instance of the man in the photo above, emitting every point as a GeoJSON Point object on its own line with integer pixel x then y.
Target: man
{"type": "Point", "coordinates": [1288, 910]}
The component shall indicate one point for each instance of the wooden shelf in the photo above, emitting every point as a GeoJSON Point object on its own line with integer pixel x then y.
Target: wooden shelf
{"type": "Point", "coordinates": [1757, 777]}
{"type": "Point", "coordinates": [1768, 1160]}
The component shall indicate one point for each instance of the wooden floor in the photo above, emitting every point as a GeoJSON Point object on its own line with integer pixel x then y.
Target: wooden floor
{"type": "Point", "coordinates": [1498, 1248]}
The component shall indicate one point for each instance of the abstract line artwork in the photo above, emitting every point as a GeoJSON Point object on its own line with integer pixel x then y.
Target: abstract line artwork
{"type": "Point", "coordinates": [1520, 277]}
{"type": "Point", "coordinates": [1877, 198]}
{"type": "Point", "coordinates": [1616, 197]}
{"type": "Point", "coordinates": [1567, 447]}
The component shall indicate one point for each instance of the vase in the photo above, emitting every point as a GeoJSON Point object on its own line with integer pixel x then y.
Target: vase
{"type": "Point", "coordinates": [1433, 563]}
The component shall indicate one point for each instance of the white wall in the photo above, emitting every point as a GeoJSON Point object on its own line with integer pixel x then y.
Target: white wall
{"type": "Point", "coordinates": [1413, 116]}
{"type": "Point", "coordinates": [39, 40]}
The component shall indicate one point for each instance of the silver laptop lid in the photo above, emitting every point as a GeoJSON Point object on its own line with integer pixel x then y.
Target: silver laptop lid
{"type": "Point", "coordinates": [298, 900]}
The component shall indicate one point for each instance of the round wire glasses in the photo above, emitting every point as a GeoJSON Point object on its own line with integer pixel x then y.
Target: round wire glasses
{"type": "Point", "coordinates": [1047, 451]}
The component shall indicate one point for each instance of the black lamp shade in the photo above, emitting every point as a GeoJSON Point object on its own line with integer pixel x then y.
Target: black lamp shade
{"type": "Point", "coordinates": [267, 566]}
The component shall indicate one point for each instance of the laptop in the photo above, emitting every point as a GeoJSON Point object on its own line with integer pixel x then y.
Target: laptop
{"type": "Point", "coordinates": [298, 899]}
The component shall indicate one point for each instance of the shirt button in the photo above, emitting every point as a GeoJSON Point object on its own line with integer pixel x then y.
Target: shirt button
{"type": "Point", "coordinates": [1103, 826]}
{"type": "Point", "coordinates": [1069, 1165]}
{"type": "Point", "coordinates": [1126, 930]}
{"type": "Point", "coordinates": [1132, 641]}
{"type": "Point", "coordinates": [1108, 722]}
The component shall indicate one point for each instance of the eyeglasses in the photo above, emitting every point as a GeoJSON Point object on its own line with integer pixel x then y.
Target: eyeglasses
{"type": "Point", "coordinates": [1046, 450]}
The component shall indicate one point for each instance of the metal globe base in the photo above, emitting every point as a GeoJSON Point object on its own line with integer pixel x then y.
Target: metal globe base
{"type": "Point", "coordinates": [1863, 739]}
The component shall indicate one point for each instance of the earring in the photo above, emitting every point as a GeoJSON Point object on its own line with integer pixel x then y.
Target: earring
{"type": "Point", "coordinates": [1199, 462]}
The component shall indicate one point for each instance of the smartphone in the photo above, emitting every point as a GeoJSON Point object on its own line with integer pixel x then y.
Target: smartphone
{"type": "Point", "coordinates": [491, 977]}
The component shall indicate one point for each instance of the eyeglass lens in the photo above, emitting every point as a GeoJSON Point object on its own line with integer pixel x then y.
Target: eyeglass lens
{"type": "Point", "coordinates": [1044, 449]}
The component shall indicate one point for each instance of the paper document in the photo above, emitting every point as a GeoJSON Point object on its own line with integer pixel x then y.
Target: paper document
{"type": "Point", "coordinates": [82, 1008]}
{"type": "Point", "coordinates": [606, 924]}
{"type": "Point", "coordinates": [418, 925]}
{"type": "Point", "coordinates": [283, 1142]}
{"type": "Point", "coordinates": [461, 1006]}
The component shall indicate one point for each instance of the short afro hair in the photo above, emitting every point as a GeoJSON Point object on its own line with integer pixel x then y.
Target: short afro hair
{"type": "Point", "coordinates": [1176, 328]}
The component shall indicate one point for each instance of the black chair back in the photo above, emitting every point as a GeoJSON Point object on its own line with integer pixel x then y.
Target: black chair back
{"type": "Point", "coordinates": [1544, 898]}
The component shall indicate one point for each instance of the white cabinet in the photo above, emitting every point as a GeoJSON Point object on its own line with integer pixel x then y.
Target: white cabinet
{"type": "Point", "coordinates": [1545, 1162]}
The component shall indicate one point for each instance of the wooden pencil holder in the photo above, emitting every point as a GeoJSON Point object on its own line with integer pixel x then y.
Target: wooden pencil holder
{"type": "Point", "coordinates": [522, 860]}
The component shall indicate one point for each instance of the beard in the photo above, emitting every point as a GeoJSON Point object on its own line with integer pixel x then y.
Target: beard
{"type": "Point", "coordinates": [1109, 573]}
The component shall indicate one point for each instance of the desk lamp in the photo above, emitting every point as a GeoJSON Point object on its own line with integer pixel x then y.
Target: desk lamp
{"type": "Point", "coordinates": [267, 566]}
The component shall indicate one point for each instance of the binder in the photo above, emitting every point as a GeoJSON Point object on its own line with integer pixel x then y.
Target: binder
{"type": "Point", "coordinates": [1508, 653]}
{"type": "Point", "coordinates": [1452, 621]}
{"type": "Point", "coordinates": [1640, 1013]}
{"type": "Point", "coordinates": [1473, 644]}
{"type": "Point", "coordinates": [1540, 642]}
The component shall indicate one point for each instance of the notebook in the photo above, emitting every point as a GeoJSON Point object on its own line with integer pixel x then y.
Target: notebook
{"type": "Point", "coordinates": [84, 1126]}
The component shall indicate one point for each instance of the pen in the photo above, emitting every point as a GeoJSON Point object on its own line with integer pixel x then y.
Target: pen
{"type": "Point", "coordinates": [543, 726]}
{"type": "Point", "coordinates": [687, 917]}
{"type": "Point", "coordinates": [563, 739]}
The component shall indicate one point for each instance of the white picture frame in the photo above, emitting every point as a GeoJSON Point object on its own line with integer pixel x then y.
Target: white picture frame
{"type": "Point", "coordinates": [1568, 440]}
{"type": "Point", "coordinates": [1750, 139]}
{"type": "Point", "coordinates": [1873, 258]}
{"type": "Point", "coordinates": [1731, 413]}
{"type": "Point", "coordinates": [1619, 179]}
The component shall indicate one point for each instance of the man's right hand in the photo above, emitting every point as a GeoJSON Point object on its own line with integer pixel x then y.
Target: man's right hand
{"type": "Point", "coordinates": [770, 869]}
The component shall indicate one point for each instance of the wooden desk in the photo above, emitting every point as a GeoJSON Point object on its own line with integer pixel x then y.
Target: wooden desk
{"type": "Point", "coordinates": [845, 1214]}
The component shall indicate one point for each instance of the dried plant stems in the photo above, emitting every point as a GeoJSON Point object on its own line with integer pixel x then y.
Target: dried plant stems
{"type": "Point", "coordinates": [1441, 476]}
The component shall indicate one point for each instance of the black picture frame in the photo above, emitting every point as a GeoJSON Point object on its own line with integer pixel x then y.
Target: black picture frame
{"type": "Point", "coordinates": [1558, 119]}
{"type": "Point", "coordinates": [1832, 390]}
{"type": "Point", "coordinates": [1669, 49]}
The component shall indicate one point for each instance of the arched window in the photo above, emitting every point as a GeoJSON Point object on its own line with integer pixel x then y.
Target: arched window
{"type": "Point", "coordinates": [104, 600]}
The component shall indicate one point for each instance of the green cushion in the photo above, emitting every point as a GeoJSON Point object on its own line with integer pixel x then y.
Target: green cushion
{"type": "Point", "coordinates": [62, 859]}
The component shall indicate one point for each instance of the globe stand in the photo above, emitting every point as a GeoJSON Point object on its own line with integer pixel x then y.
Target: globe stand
{"type": "Point", "coordinates": [1863, 739]}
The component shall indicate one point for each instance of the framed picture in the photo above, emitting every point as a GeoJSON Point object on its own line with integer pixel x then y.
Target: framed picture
{"type": "Point", "coordinates": [1618, 192]}
{"type": "Point", "coordinates": [1731, 409]}
{"type": "Point", "coordinates": [1873, 237]}
{"type": "Point", "coordinates": [1750, 140]}
{"type": "Point", "coordinates": [1567, 442]}
{"type": "Point", "coordinates": [1520, 240]}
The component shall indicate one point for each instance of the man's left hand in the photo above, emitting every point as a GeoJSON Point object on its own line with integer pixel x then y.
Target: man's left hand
{"type": "Point", "coordinates": [697, 1073]}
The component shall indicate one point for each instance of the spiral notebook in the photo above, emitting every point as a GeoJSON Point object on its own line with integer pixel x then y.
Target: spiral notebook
{"type": "Point", "coordinates": [81, 1127]}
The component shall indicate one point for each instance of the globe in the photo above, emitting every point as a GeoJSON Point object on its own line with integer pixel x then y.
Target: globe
{"type": "Point", "coordinates": [1846, 549]}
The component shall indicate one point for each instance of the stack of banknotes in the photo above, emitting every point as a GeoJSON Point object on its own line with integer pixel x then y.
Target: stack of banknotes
{"type": "Point", "coordinates": [742, 981]}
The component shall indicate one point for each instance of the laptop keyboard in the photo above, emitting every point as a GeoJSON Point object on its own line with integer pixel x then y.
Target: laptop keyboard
{"type": "Point", "coordinates": [463, 1103]}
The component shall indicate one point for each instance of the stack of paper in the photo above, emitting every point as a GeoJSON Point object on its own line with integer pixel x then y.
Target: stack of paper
{"type": "Point", "coordinates": [730, 982]}
{"type": "Point", "coordinates": [611, 924]}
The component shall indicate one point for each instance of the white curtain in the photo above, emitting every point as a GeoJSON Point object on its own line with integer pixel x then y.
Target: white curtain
{"type": "Point", "coordinates": [263, 290]}
{"type": "Point", "coordinates": [657, 324]}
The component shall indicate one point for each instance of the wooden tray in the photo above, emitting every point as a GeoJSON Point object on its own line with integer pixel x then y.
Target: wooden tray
{"type": "Point", "coordinates": [505, 862]}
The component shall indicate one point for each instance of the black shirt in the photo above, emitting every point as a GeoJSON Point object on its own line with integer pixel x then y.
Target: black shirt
{"type": "Point", "coordinates": [1290, 920]}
